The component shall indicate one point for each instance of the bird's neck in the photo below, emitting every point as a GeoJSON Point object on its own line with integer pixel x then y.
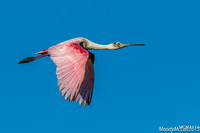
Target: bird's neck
{"type": "Point", "coordinates": [96, 46]}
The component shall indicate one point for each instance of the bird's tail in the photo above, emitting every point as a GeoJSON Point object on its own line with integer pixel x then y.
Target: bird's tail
{"type": "Point", "coordinates": [29, 59]}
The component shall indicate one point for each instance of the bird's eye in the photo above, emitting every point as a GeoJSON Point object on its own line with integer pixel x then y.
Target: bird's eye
{"type": "Point", "coordinates": [117, 44]}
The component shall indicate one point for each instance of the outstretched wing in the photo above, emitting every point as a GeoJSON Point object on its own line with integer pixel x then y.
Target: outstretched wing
{"type": "Point", "coordinates": [74, 71]}
{"type": "Point", "coordinates": [85, 93]}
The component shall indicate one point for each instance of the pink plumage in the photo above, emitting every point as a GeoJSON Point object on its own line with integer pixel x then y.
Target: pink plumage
{"type": "Point", "coordinates": [74, 62]}
{"type": "Point", "coordinates": [74, 71]}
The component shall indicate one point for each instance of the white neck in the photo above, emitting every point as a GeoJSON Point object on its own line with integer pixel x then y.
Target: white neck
{"type": "Point", "coordinates": [101, 47]}
{"type": "Point", "coordinates": [95, 46]}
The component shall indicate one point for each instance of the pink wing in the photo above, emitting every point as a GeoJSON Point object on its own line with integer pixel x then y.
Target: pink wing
{"type": "Point", "coordinates": [75, 71]}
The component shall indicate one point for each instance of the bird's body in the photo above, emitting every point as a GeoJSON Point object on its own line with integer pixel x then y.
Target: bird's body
{"type": "Point", "coordinates": [74, 62]}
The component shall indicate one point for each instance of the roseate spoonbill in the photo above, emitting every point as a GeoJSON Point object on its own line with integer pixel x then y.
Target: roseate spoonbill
{"type": "Point", "coordinates": [74, 62]}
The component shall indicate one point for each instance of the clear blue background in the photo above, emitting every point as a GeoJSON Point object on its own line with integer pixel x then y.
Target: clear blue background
{"type": "Point", "coordinates": [137, 89]}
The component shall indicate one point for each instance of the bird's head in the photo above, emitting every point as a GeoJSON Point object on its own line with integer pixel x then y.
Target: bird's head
{"type": "Point", "coordinates": [118, 45]}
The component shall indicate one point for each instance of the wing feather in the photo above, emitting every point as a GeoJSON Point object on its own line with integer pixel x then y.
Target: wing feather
{"type": "Point", "coordinates": [75, 71]}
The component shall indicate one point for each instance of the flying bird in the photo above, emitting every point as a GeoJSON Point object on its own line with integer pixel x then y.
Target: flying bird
{"type": "Point", "coordinates": [75, 72]}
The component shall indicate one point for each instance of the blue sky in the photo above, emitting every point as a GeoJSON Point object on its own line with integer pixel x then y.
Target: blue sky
{"type": "Point", "coordinates": [136, 89]}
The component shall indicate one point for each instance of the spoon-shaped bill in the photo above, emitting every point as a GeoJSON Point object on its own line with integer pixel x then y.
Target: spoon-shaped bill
{"type": "Point", "coordinates": [136, 44]}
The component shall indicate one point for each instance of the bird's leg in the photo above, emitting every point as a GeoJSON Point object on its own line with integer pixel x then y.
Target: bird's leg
{"type": "Point", "coordinates": [29, 59]}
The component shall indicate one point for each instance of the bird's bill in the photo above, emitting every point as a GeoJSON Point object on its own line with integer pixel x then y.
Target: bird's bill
{"type": "Point", "coordinates": [134, 44]}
